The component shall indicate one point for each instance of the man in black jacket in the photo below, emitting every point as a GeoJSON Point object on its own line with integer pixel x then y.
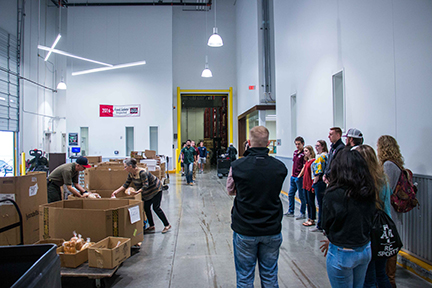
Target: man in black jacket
{"type": "Point", "coordinates": [335, 136]}
{"type": "Point", "coordinates": [256, 180]}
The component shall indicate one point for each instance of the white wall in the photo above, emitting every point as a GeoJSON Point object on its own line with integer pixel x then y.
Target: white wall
{"type": "Point", "coordinates": [119, 35]}
{"type": "Point", "coordinates": [384, 49]}
{"type": "Point", "coordinates": [247, 54]}
{"type": "Point", "coordinates": [190, 38]}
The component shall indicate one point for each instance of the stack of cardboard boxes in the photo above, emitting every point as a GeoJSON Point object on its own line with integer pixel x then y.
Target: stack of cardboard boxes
{"type": "Point", "coordinates": [28, 192]}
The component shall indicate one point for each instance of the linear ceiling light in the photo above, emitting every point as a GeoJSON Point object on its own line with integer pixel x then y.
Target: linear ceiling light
{"type": "Point", "coordinates": [53, 46]}
{"type": "Point", "coordinates": [109, 68]}
{"type": "Point", "coordinates": [71, 55]}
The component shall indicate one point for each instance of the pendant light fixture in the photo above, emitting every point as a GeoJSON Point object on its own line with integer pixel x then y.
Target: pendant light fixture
{"type": "Point", "coordinates": [206, 73]}
{"type": "Point", "coordinates": [215, 40]}
{"type": "Point", "coordinates": [61, 85]}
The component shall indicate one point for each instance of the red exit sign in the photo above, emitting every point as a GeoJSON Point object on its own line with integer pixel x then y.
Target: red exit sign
{"type": "Point", "coordinates": [252, 87]}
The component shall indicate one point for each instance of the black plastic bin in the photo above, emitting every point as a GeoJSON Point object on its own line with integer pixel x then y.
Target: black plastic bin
{"type": "Point", "coordinates": [223, 166]}
{"type": "Point", "coordinates": [29, 266]}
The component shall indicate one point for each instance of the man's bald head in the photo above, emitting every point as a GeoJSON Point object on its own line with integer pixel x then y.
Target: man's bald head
{"type": "Point", "coordinates": [258, 136]}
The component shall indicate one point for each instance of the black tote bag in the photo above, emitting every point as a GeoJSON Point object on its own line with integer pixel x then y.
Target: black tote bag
{"type": "Point", "coordinates": [385, 240]}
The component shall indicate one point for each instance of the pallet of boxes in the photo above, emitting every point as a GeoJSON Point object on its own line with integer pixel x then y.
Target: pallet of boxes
{"type": "Point", "coordinates": [156, 165]}
{"type": "Point", "coordinates": [106, 227]}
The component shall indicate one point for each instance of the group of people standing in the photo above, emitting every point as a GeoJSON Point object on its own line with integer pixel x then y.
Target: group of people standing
{"type": "Point", "coordinates": [350, 182]}
{"type": "Point", "coordinates": [192, 159]}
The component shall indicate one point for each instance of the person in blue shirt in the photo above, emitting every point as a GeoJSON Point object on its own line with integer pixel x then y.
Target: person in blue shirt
{"type": "Point", "coordinates": [202, 156]}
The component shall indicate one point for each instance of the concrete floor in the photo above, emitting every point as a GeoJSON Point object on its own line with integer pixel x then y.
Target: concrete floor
{"type": "Point", "coordinates": [198, 251]}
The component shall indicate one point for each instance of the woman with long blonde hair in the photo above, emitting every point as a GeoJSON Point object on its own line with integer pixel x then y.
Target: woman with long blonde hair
{"type": "Point", "coordinates": [376, 272]}
{"type": "Point", "coordinates": [391, 159]}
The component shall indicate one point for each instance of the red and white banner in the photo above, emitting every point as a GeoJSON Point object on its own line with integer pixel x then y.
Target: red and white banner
{"type": "Point", "coordinates": [119, 110]}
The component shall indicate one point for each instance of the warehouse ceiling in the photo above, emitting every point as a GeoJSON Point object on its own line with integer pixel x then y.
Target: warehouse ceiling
{"type": "Point", "coordinates": [188, 5]}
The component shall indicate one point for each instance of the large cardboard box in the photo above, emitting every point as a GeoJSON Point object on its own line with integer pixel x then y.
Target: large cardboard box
{"type": "Point", "coordinates": [107, 194]}
{"type": "Point", "coordinates": [96, 219]}
{"type": "Point", "coordinates": [109, 253]}
{"type": "Point", "coordinates": [104, 179]}
{"type": "Point", "coordinates": [94, 159]}
{"type": "Point", "coordinates": [29, 192]}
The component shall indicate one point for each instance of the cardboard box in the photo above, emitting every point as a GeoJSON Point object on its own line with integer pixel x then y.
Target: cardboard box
{"type": "Point", "coordinates": [107, 194]}
{"type": "Point", "coordinates": [57, 241]}
{"type": "Point", "coordinates": [94, 159]}
{"type": "Point", "coordinates": [29, 192]}
{"type": "Point", "coordinates": [96, 219]}
{"type": "Point", "coordinates": [104, 179]}
{"type": "Point", "coordinates": [106, 254]}
{"type": "Point", "coordinates": [72, 260]}
{"type": "Point", "coordinates": [150, 154]}
{"type": "Point", "coordinates": [157, 173]}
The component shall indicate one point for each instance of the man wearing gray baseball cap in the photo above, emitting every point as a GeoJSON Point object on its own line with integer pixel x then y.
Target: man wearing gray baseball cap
{"type": "Point", "coordinates": [354, 137]}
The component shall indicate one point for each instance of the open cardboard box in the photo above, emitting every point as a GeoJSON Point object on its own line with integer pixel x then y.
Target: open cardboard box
{"type": "Point", "coordinates": [109, 252]}
{"type": "Point", "coordinates": [72, 260]}
{"type": "Point", "coordinates": [107, 194]}
{"type": "Point", "coordinates": [28, 192]}
{"type": "Point", "coordinates": [96, 219]}
{"type": "Point", "coordinates": [92, 160]}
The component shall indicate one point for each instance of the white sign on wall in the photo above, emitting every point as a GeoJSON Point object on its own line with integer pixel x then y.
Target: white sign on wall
{"type": "Point", "coordinates": [119, 110]}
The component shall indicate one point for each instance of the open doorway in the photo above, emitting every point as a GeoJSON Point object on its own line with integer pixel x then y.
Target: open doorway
{"type": "Point", "coordinates": [6, 153]}
{"type": "Point", "coordinates": [205, 118]}
{"type": "Point", "coordinates": [205, 115]}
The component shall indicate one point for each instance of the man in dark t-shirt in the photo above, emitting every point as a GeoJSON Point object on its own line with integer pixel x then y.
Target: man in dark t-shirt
{"type": "Point", "coordinates": [189, 154]}
{"type": "Point", "coordinates": [66, 174]}
{"type": "Point", "coordinates": [296, 182]}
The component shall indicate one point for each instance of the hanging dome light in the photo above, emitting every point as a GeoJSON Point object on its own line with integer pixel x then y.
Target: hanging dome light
{"type": "Point", "coordinates": [206, 72]}
{"type": "Point", "coordinates": [61, 85]}
{"type": "Point", "coordinates": [215, 39]}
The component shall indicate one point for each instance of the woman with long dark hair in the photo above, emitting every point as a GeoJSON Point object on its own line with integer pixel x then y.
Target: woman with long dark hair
{"type": "Point", "coordinates": [348, 210]}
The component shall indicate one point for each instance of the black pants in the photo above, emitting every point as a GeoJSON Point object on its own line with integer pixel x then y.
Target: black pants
{"type": "Point", "coordinates": [54, 192]}
{"type": "Point", "coordinates": [155, 201]}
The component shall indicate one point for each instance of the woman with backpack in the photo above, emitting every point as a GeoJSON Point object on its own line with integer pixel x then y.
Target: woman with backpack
{"type": "Point", "coordinates": [392, 161]}
{"type": "Point", "coordinates": [348, 211]}
{"type": "Point", "coordinates": [376, 272]}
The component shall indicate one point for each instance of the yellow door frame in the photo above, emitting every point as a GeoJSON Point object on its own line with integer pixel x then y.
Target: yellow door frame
{"type": "Point", "coordinates": [200, 91]}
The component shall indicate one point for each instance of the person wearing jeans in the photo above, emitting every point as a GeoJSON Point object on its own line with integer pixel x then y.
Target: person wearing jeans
{"type": "Point", "coordinates": [189, 155]}
{"type": "Point", "coordinates": [296, 181]}
{"type": "Point", "coordinates": [249, 249]}
{"type": "Point", "coordinates": [256, 215]}
{"type": "Point", "coordinates": [348, 212]}
{"type": "Point", "coordinates": [318, 168]}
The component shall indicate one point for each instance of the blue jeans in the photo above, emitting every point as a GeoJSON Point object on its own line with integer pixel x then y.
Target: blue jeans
{"type": "Point", "coordinates": [249, 249]}
{"type": "Point", "coordinates": [346, 268]}
{"type": "Point", "coordinates": [376, 275]}
{"type": "Point", "coordinates": [296, 184]}
{"type": "Point", "coordinates": [319, 188]}
{"type": "Point", "coordinates": [188, 172]}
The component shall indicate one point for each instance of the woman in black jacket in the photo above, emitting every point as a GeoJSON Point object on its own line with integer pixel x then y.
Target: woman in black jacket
{"type": "Point", "coordinates": [348, 210]}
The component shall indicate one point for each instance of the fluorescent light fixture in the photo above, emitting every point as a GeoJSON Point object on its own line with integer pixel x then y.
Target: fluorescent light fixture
{"type": "Point", "coordinates": [109, 68]}
{"type": "Point", "coordinates": [71, 55]}
{"type": "Point", "coordinates": [53, 46]}
{"type": "Point", "coordinates": [215, 40]}
{"type": "Point", "coordinates": [2, 98]}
